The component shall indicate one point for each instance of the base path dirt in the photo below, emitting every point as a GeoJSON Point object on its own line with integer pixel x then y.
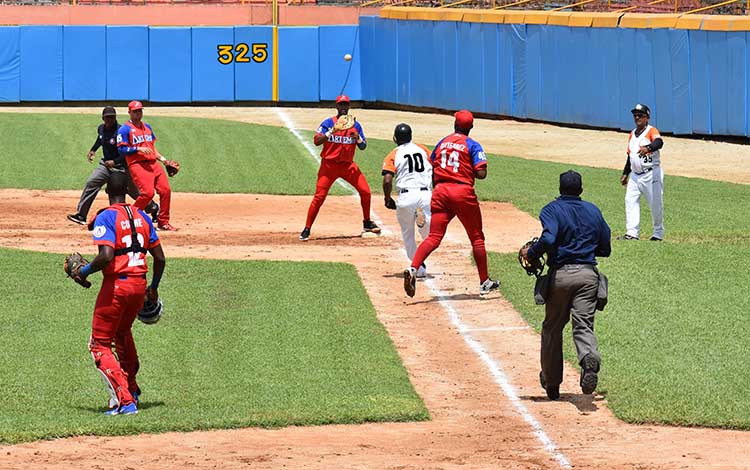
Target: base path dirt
{"type": "Point", "coordinates": [682, 156]}
{"type": "Point", "coordinates": [475, 424]}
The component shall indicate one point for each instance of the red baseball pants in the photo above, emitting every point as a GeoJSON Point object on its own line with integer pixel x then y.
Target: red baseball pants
{"type": "Point", "coordinates": [119, 301]}
{"type": "Point", "coordinates": [328, 173]}
{"type": "Point", "coordinates": [455, 200]}
{"type": "Point", "coordinates": [148, 175]}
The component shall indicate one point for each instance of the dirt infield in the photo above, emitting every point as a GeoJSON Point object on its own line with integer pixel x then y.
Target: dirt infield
{"type": "Point", "coordinates": [474, 426]}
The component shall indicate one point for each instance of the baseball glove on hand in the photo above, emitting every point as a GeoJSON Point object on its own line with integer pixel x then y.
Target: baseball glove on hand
{"type": "Point", "coordinates": [390, 204]}
{"type": "Point", "coordinates": [72, 265]}
{"type": "Point", "coordinates": [344, 123]}
{"type": "Point", "coordinates": [533, 267]}
{"type": "Point", "coordinates": [172, 167]}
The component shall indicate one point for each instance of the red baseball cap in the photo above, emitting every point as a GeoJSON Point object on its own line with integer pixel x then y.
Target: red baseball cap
{"type": "Point", "coordinates": [464, 119]}
{"type": "Point", "coordinates": [133, 105]}
{"type": "Point", "coordinates": [342, 99]}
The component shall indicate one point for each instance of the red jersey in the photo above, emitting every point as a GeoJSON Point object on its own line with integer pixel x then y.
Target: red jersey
{"type": "Point", "coordinates": [112, 228]}
{"type": "Point", "coordinates": [131, 136]}
{"type": "Point", "coordinates": [455, 158]}
{"type": "Point", "coordinates": [341, 146]}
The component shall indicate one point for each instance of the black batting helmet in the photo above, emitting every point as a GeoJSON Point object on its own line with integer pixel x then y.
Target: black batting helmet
{"type": "Point", "coordinates": [151, 312]}
{"type": "Point", "coordinates": [402, 134]}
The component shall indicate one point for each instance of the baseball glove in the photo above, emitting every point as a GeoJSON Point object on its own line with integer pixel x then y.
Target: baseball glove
{"type": "Point", "coordinates": [172, 167]}
{"type": "Point", "coordinates": [533, 267]}
{"type": "Point", "coordinates": [344, 123]}
{"type": "Point", "coordinates": [72, 265]}
{"type": "Point", "coordinates": [390, 204]}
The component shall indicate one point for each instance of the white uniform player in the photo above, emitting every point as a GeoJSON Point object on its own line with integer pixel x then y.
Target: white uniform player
{"type": "Point", "coordinates": [409, 164]}
{"type": "Point", "coordinates": [643, 176]}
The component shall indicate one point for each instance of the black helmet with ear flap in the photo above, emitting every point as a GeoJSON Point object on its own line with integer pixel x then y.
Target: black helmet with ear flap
{"type": "Point", "coordinates": [402, 134]}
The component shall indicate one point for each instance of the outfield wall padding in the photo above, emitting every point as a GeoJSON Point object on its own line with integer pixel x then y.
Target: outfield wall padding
{"type": "Point", "coordinates": [41, 64]}
{"type": "Point", "coordinates": [212, 80]}
{"type": "Point", "coordinates": [299, 67]}
{"type": "Point", "coordinates": [127, 71]}
{"type": "Point", "coordinates": [10, 64]}
{"type": "Point", "coordinates": [83, 78]}
{"type": "Point", "coordinates": [253, 81]}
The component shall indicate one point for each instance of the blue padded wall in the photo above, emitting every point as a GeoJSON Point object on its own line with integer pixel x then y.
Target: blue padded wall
{"type": "Point", "coordinates": [387, 40]}
{"type": "Point", "coordinates": [700, 65]}
{"type": "Point", "coordinates": [533, 61]}
{"type": "Point", "coordinates": [212, 80]}
{"type": "Point", "coordinates": [170, 64]}
{"type": "Point", "coordinates": [491, 66]}
{"type": "Point", "coordinates": [298, 64]}
{"type": "Point", "coordinates": [253, 81]}
{"type": "Point", "coordinates": [403, 60]}
{"type": "Point", "coordinates": [10, 64]}
{"type": "Point", "coordinates": [518, 57]}
{"type": "Point", "coordinates": [735, 79]}
{"type": "Point", "coordinates": [85, 69]}
{"type": "Point", "coordinates": [336, 75]}
{"type": "Point", "coordinates": [41, 63]}
{"type": "Point", "coordinates": [367, 52]}
{"type": "Point", "coordinates": [446, 32]}
{"type": "Point", "coordinates": [127, 77]}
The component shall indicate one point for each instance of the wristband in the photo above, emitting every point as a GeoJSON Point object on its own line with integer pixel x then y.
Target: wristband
{"type": "Point", "coordinates": [85, 271]}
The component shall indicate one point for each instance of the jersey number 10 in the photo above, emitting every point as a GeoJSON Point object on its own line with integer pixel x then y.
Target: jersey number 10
{"type": "Point", "coordinates": [416, 162]}
{"type": "Point", "coordinates": [449, 160]}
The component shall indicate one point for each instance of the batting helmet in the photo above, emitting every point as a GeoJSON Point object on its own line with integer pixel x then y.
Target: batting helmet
{"type": "Point", "coordinates": [151, 311]}
{"type": "Point", "coordinates": [402, 134]}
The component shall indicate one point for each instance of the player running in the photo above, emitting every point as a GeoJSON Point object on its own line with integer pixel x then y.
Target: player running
{"type": "Point", "coordinates": [457, 161]}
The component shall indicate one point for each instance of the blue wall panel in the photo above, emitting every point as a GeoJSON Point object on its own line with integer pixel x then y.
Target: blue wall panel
{"type": "Point", "coordinates": [127, 76]}
{"type": "Point", "coordinates": [212, 80]}
{"type": "Point", "coordinates": [645, 88]}
{"type": "Point", "coordinates": [550, 69]}
{"type": "Point", "coordinates": [41, 63]}
{"type": "Point", "coordinates": [681, 92]}
{"type": "Point", "coordinates": [299, 74]}
{"type": "Point", "coordinates": [611, 83]}
{"type": "Point", "coordinates": [568, 75]}
{"type": "Point", "coordinates": [170, 64]}
{"type": "Point", "coordinates": [662, 60]}
{"type": "Point", "coordinates": [84, 73]}
{"type": "Point", "coordinates": [403, 59]}
{"type": "Point", "coordinates": [490, 60]}
{"type": "Point", "coordinates": [596, 81]}
{"type": "Point", "coordinates": [422, 64]}
{"type": "Point", "coordinates": [736, 83]}
{"type": "Point", "coordinates": [367, 51]}
{"type": "Point", "coordinates": [10, 64]}
{"type": "Point", "coordinates": [718, 81]}
{"type": "Point", "coordinates": [470, 78]}
{"type": "Point", "coordinates": [336, 74]}
{"type": "Point", "coordinates": [534, 83]}
{"type": "Point", "coordinates": [700, 66]}
{"type": "Point", "coordinates": [387, 40]}
{"type": "Point", "coordinates": [446, 32]}
{"type": "Point", "coordinates": [253, 81]}
{"type": "Point", "coordinates": [628, 76]}
{"type": "Point", "coordinates": [505, 69]}
{"type": "Point", "coordinates": [518, 54]}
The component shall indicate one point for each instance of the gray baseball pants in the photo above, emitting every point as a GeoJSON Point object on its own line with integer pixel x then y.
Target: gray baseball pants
{"type": "Point", "coordinates": [99, 178]}
{"type": "Point", "coordinates": [572, 292]}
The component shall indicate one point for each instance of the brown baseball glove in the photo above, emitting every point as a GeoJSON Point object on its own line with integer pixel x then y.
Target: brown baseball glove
{"type": "Point", "coordinates": [344, 123]}
{"type": "Point", "coordinates": [172, 167]}
{"type": "Point", "coordinates": [72, 266]}
{"type": "Point", "coordinates": [533, 267]}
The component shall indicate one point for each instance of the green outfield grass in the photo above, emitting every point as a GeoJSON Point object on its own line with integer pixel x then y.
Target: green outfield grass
{"type": "Point", "coordinates": [237, 347]}
{"type": "Point", "coordinates": [672, 338]}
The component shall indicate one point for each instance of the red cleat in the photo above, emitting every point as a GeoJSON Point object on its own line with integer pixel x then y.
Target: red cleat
{"type": "Point", "coordinates": [167, 227]}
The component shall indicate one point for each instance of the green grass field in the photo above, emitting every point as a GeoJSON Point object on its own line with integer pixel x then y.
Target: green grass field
{"type": "Point", "coordinates": [672, 338]}
{"type": "Point", "coordinates": [234, 349]}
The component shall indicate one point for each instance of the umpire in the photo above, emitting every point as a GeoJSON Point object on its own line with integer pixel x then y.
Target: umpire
{"type": "Point", "coordinates": [574, 233]}
{"type": "Point", "coordinates": [110, 162]}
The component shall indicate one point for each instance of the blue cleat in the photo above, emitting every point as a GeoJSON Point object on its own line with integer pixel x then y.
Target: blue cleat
{"type": "Point", "coordinates": [130, 409]}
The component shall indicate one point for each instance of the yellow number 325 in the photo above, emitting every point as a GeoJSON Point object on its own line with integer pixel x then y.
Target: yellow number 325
{"type": "Point", "coordinates": [238, 53]}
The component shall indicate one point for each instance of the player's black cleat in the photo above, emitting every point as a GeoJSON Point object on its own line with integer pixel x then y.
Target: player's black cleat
{"type": "Point", "coordinates": [553, 393]}
{"type": "Point", "coordinates": [77, 218]}
{"type": "Point", "coordinates": [655, 239]}
{"type": "Point", "coordinates": [305, 234]}
{"type": "Point", "coordinates": [410, 281]}
{"type": "Point", "coordinates": [627, 237]}
{"type": "Point", "coordinates": [370, 226]}
{"type": "Point", "coordinates": [589, 374]}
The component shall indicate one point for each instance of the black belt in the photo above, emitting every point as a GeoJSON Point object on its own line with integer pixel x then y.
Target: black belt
{"type": "Point", "coordinates": [644, 171]}
{"type": "Point", "coordinates": [573, 267]}
{"type": "Point", "coordinates": [406, 190]}
{"type": "Point", "coordinates": [125, 276]}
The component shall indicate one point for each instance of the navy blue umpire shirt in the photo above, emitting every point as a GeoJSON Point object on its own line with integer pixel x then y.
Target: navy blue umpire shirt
{"type": "Point", "coordinates": [573, 232]}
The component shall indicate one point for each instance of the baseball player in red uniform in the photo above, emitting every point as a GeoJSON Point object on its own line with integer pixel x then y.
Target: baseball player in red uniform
{"type": "Point", "coordinates": [337, 161]}
{"type": "Point", "coordinates": [123, 234]}
{"type": "Point", "coordinates": [456, 161]}
{"type": "Point", "coordinates": [135, 140]}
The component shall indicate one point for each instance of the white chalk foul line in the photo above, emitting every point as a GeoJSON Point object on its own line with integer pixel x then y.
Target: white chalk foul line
{"type": "Point", "coordinates": [497, 373]}
{"type": "Point", "coordinates": [493, 365]}
{"type": "Point", "coordinates": [311, 150]}
{"type": "Point", "coordinates": [497, 328]}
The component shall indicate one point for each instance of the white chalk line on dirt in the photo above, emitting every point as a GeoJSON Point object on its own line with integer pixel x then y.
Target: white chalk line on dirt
{"type": "Point", "coordinates": [497, 373]}
{"type": "Point", "coordinates": [311, 150]}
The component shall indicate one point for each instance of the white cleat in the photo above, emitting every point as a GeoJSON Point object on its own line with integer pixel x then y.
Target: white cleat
{"type": "Point", "coordinates": [422, 272]}
{"type": "Point", "coordinates": [488, 286]}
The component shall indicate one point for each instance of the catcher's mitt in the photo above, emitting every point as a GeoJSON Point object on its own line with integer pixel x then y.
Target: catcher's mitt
{"type": "Point", "coordinates": [172, 167]}
{"type": "Point", "coordinates": [533, 267]}
{"type": "Point", "coordinates": [72, 265]}
{"type": "Point", "coordinates": [344, 122]}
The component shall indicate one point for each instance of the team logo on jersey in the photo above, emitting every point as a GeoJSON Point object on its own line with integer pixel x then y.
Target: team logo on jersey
{"type": "Point", "coordinates": [99, 231]}
{"type": "Point", "coordinates": [119, 138]}
{"type": "Point", "coordinates": [338, 139]}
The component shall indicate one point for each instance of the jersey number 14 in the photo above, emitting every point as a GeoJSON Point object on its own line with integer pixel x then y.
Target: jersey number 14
{"type": "Point", "coordinates": [449, 160]}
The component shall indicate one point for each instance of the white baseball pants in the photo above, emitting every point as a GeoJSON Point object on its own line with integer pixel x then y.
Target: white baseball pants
{"type": "Point", "coordinates": [651, 186]}
{"type": "Point", "coordinates": [406, 212]}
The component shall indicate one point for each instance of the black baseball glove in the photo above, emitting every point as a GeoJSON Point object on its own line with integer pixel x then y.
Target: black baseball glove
{"type": "Point", "coordinates": [390, 204]}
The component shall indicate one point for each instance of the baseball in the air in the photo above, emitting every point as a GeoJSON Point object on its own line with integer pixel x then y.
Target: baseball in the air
{"type": "Point", "coordinates": [347, 57]}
